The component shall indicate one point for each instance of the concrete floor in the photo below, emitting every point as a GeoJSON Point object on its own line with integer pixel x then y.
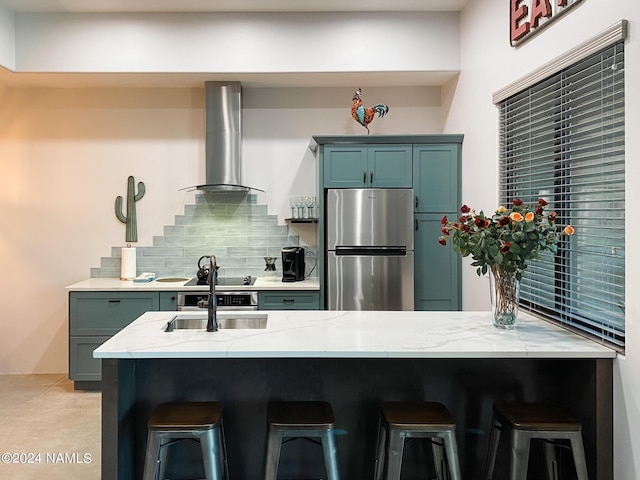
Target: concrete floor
{"type": "Point", "coordinates": [48, 430]}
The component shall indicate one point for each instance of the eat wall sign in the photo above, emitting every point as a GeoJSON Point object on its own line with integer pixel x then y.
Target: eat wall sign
{"type": "Point", "coordinates": [527, 17]}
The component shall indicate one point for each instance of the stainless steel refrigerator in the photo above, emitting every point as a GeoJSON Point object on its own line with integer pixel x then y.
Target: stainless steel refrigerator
{"type": "Point", "coordinates": [369, 235]}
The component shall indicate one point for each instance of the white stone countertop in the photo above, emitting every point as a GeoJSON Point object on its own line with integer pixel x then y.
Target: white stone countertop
{"type": "Point", "coordinates": [117, 285]}
{"type": "Point", "coordinates": [341, 334]}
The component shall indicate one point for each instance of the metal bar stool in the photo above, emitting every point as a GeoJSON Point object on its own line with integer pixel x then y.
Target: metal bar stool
{"type": "Point", "coordinates": [300, 420]}
{"type": "Point", "coordinates": [201, 421]}
{"type": "Point", "coordinates": [430, 420]}
{"type": "Point", "coordinates": [526, 421]}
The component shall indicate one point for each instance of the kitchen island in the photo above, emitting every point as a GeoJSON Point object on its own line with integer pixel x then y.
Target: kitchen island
{"type": "Point", "coordinates": [353, 360]}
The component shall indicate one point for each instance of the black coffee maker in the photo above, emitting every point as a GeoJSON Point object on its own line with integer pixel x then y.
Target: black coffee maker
{"type": "Point", "coordinates": [292, 264]}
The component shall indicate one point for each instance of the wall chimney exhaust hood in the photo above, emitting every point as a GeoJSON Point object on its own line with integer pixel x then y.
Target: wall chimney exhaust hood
{"type": "Point", "coordinates": [223, 138]}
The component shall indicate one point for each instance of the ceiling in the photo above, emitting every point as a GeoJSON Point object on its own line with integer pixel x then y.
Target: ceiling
{"type": "Point", "coordinates": [175, 6]}
{"type": "Point", "coordinates": [172, 80]}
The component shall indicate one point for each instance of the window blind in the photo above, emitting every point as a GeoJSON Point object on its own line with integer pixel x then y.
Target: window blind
{"type": "Point", "coordinates": [562, 139]}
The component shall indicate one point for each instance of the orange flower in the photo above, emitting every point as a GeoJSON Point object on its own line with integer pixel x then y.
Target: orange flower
{"type": "Point", "coordinates": [501, 209]}
{"type": "Point", "coordinates": [569, 230]}
{"type": "Point", "coordinates": [528, 217]}
{"type": "Point", "coordinates": [516, 217]}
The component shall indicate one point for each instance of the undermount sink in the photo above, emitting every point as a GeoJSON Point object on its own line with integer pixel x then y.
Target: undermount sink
{"type": "Point", "coordinates": [226, 321]}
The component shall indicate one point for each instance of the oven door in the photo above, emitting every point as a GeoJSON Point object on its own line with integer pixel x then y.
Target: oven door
{"type": "Point", "coordinates": [188, 308]}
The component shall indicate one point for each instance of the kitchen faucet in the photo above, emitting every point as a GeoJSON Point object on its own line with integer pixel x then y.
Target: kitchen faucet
{"type": "Point", "coordinates": [212, 306]}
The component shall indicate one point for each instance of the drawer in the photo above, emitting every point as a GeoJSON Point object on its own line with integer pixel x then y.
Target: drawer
{"type": "Point", "coordinates": [106, 313]}
{"type": "Point", "coordinates": [82, 365]}
{"type": "Point", "coordinates": [288, 300]}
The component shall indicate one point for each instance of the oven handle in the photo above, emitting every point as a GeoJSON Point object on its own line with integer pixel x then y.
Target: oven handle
{"type": "Point", "coordinates": [244, 307]}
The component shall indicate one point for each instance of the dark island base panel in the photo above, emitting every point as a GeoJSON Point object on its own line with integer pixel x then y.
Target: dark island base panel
{"type": "Point", "coordinates": [132, 388]}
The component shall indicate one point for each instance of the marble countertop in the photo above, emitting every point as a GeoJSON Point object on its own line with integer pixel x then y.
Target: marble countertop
{"type": "Point", "coordinates": [115, 285]}
{"type": "Point", "coordinates": [341, 334]}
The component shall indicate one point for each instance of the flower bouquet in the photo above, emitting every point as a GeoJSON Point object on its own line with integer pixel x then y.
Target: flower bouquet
{"type": "Point", "coordinates": [503, 243]}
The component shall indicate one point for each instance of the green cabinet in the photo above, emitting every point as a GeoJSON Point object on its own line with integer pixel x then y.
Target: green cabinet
{"type": "Point", "coordinates": [437, 193]}
{"type": "Point", "coordinates": [367, 166]}
{"type": "Point", "coordinates": [95, 316]}
{"type": "Point", "coordinates": [430, 164]}
{"type": "Point", "coordinates": [288, 300]}
{"type": "Point", "coordinates": [168, 301]}
{"type": "Point", "coordinates": [437, 267]}
{"type": "Point", "coordinates": [436, 178]}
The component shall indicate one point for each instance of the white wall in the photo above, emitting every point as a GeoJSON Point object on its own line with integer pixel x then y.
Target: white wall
{"type": "Point", "coordinates": [7, 39]}
{"type": "Point", "coordinates": [65, 154]}
{"type": "Point", "coordinates": [237, 42]}
{"type": "Point", "coordinates": [488, 63]}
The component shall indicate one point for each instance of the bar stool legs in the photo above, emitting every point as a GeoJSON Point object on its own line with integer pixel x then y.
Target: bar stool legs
{"type": "Point", "coordinates": [300, 420]}
{"type": "Point", "coordinates": [526, 421]}
{"type": "Point", "coordinates": [402, 420]}
{"type": "Point", "coordinates": [171, 422]}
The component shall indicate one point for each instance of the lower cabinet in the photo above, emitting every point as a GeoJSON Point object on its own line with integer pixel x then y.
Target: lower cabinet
{"type": "Point", "coordinates": [287, 300]}
{"type": "Point", "coordinates": [82, 366]}
{"type": "Point", "coordinates": [95, 316]}
{"type": "Point", "coordinates": [437, 268]}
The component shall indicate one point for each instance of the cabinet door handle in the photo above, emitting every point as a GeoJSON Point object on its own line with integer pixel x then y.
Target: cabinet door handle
{"type": "Point", "coordinates": [114, 301]}
{"type": "Point", "coordinates": [416, 201]}
{"type": "Point", "coordinates": [364, 177]}
{"type": "Point", "coordinates": [288, 301]}
{"type": "Point", "coordinates": [371, 177]}
{"type": "Point", "coordinates": [416, 224]}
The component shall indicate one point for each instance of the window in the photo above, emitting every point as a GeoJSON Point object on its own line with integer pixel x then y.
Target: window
{"type": "Point", "coordinates": [562, 139]}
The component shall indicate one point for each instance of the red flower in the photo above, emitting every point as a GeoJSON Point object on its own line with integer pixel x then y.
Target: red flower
{"type": "Point", "coordinates": [542, 202]}
{"type": "Point", "coordinates": [466, 228]}
{"type": "Point", "coordinates": [505, 247]}
{"type": "Point", "coordinates": [444, 230]}
{"type": "Point", "coordinates": [517, 202]}
{"type": "Point", "coordinates": [464, 218]}
{"type": "Point", "coordinates": [480, 222]}
{"type": "Point", "coordinates": [552, 216]}
{"type": "Point", "coordinates": [442, 241]}
{"type": "Point", "coordinates": [504, 221]}
{"type": "Point", "coordinates": [444, 220]}
{"type": "Point", "coordinates": [539, 209]}
{"type": "Point", "coordinates": [464, 209]}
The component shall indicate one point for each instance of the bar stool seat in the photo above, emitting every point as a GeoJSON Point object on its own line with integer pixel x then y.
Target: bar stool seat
{"type": "Point", "coordinates": [430, 420]}
{"type": "Point", "coordinates": [173, 421]}
{"type": "Point", "coordinates": [525, 421]}
{"type": "Point", "coordinates": [300, 420]}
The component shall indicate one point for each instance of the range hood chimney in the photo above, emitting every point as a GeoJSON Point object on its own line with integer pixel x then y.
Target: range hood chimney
{"type": "Point", "coordinates": [223, 140]}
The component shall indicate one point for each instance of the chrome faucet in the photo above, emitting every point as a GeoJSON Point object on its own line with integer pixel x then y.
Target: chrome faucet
{"type": "Point", "coordinates": [212, 306]}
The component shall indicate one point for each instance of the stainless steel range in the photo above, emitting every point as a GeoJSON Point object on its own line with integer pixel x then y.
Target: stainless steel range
{"type": "Point", "coordinates": [196, 300]}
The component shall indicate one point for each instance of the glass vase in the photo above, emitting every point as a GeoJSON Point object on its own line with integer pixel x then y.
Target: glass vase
{"type": "Point", "coordinates": [505, 294]}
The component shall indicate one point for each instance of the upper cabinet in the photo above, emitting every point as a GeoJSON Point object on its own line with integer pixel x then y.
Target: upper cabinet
{"type": "Point", "coordinates": [368, 166]}
{"type": "Point", "coordinates": [436, 177]}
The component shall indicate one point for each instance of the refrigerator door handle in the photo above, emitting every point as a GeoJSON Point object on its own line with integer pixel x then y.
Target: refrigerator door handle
{"type": "Point", "coordinates": [389, 251]}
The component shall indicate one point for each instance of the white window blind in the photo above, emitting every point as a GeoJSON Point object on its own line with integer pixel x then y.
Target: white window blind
{"type": "Point", "coordinates": [562, 139]}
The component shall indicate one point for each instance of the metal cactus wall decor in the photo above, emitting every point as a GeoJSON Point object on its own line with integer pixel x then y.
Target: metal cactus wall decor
{"type": "Point", "coordinates": [131, 219]}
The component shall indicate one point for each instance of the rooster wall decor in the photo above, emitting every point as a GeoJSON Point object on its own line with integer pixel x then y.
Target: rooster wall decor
{"type": "Point", "coordinates": [364, 116]}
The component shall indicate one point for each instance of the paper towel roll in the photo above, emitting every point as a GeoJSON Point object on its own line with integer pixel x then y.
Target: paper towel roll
{"type": "Point", "coordinates": [128, 263]}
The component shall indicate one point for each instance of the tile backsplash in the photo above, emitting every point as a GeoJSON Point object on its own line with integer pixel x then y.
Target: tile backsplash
{"type": "Point", "coordinates": [231, 226]}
